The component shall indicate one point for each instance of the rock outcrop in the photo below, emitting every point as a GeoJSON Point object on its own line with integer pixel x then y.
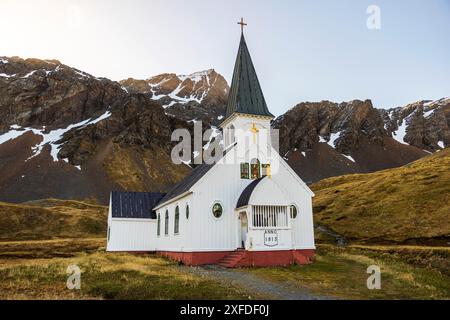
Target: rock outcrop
{"type": "Point", "coordinates": [326, 139]}
{"type": "Point", "coordinates": [67, 134]}
{"type": "Point", "coordinates": [198, 96]}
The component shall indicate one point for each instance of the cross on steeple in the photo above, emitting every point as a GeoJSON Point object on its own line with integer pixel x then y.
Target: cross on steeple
{"type": "Point", "coordinates": [242, 23]}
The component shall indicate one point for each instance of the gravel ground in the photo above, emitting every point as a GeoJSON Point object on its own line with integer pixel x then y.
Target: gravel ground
{"type": "Point", "coordinates": [244, 279]}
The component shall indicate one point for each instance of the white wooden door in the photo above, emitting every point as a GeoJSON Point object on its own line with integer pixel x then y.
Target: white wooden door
{"type": "Point", "coordinates": [244, 228]}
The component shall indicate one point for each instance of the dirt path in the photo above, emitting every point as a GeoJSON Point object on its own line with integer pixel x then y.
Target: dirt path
{"type": "Point", "coordinates": [266, 288]}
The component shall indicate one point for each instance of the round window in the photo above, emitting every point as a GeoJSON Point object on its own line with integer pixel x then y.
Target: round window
{"type": "Point", "coordinates": [187, 212]}
{"type": "Point", "coordinates": [217, 210]}
{"type": "Point", "coordinates": [293, 211]}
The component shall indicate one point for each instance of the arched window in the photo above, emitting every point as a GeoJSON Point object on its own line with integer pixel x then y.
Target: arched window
{"type": "Point", "coordinates": [294, 211]}
{"type": "Point", "coordinates": [166, 223]}
{"type": "Point", "coordinates": [158, 228]}
{"type": "Point", "coordinates": [255, 169]}
{"type": "Point", "coordinates": [187, 212]}
{"type": "Point", "coordinates": [232, 137]}
{"type": "Point", "coordinates": [176, 228]}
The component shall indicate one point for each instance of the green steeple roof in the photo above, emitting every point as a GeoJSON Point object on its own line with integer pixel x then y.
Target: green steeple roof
{"type": "Point", "coordinates": [245, 94]}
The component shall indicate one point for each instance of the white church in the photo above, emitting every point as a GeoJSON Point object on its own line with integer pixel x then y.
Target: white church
{"type": "Point", "coordinates": [248, 209]}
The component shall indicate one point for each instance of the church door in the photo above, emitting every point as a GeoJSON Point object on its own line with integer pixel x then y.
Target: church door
{"type": "Point", "coordinates": [244, 228]}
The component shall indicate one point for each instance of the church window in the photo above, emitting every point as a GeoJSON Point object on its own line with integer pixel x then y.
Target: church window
{"type": "Point", "coordinates": [294, 211]}
{"type": "Point", "coordinates": [232, 136]}
{"type": "Point", "coordinates": [255, 169]}
{"type": "Point", "coordinates": [109, 232]}
{"type": "Point", "coordinates": [176, 229]}
{"type": "Point", "coordinates": [158, 229]}
{"type": "Point", "coordinates": [187, 212]}
{"type": "Point", "coordinates": [265, 170]}
{"type": "Point", "coordinates": [166, 223]}
{"type": "Point", "coordinates": [217, 210]}
{"type": "Point", "coordinates": [245, 171]}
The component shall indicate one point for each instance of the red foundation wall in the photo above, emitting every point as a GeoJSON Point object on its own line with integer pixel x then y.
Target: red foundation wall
{"type": "Point", "coordinates": [249, 258]}
{"type": "Point", "coordinates": [196, 258]}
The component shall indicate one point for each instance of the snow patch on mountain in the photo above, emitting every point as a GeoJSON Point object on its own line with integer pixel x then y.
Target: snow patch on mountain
{"type": "Point", "coordinates": [349, 157]}
{"type": "Point", "coordinates": [4, 75]}
{"type": "Point", "coordinates": [198, 93]}
{"type": "Point", "coordinates": [333, 138]}
{"type": "Point", "coordinates": [400, 134]}
{"type": "Point", "coordinates": [50, 138]}
{"type": "Point", "coordinates": [428, 113]}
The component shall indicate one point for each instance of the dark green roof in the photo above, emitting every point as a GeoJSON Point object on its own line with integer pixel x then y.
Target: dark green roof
{"type": "Point", "coordinates": [246, 95]}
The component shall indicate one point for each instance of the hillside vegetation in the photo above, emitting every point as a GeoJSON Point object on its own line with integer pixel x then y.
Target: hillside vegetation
{"type": "Point", "coordinates": [410, 204]}
{"type": "Point", "coordinates": [51, 219]}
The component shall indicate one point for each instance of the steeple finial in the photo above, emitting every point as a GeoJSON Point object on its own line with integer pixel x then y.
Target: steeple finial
{"type": "Point", "coordinates": [242, 23]}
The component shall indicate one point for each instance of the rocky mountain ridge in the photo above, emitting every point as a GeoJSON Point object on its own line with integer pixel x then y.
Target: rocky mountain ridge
{"type": "Point", "coordinates": [67, 134]}
{"type": "Point", "coordinates": [198, 96]}
{"type": "Point", "coordinates": [324, 139]}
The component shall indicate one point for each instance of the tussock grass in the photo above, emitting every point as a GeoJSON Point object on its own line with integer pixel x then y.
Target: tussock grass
{"type": "Point", "coordinates": [410, 204]}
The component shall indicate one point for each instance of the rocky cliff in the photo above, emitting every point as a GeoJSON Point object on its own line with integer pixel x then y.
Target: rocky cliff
{"type": "Point", "coordinates": [67, 134]}
{"type": "Point", "coordinates": [326, 139]}
{"type": "Point", "coordinates": [198, 96]}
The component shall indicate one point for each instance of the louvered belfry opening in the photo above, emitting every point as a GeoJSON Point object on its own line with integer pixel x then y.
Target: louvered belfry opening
{"type": "Point", "coordinates": [270, 217]}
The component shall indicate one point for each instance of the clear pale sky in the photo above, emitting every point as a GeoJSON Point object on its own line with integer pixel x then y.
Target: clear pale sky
{"type": "Point", "coordinates": [302, 50]}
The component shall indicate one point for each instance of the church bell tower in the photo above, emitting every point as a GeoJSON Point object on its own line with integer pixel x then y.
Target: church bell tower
{"type": "Point", "coordinates": [246, 107]}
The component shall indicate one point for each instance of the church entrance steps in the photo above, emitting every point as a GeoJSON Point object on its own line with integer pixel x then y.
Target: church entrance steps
{"type": "Point", "coordinates": [232, 260]}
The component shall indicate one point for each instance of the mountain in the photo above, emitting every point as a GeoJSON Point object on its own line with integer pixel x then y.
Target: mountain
{"type": "Point", "coordinates": [67, 134]}
{"type": "Point", "coordinates": [406, 205]}
{"type": "Point", "coordinates": [70, 135]}
{"type": "Point", "coordinates": [198, 96]}
{"type": "Point", "coordinates": [325, 139]}
{"type": "Point", "coordinates": [424, 124]}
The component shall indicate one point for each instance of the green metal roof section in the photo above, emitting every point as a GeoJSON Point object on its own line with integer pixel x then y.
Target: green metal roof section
{"type": "Point", "coordinates": [245, 94]}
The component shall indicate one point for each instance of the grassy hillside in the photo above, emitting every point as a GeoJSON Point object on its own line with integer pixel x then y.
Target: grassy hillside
{"type": "Point", "coordinates": [51, 219]}
{"type": "Point", "coordinates": [410, 204]}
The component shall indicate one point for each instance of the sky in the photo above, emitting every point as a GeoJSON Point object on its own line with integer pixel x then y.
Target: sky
{"type": "Point", "coordinates": [303, 50]}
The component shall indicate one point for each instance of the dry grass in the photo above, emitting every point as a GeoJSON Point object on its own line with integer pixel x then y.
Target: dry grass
{"type": "Point", "coordinates": [410, 204]}
{"type": "Point", "coordinates": [107, 276]}
{"type": "Point", "coordinates": [51, 219]}
{"type": "Point", "coordinates": [340, 272]}
{"type": "Point", "coordinates": [125, 167]}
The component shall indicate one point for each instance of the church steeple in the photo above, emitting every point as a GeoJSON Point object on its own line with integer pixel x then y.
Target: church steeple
{"type": "Point", "coordinates": [246, 96]}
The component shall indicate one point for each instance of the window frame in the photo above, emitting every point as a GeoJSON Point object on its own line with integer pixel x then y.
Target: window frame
{"type": "Point", "coordinates": [265, 166]}
{"type": "Point", "coordinates": [166, 223]}
{"type": "Point", "coordinates": [158, 225]}
{"type": "Point", "coordinates": [176, 224]}
{"type": "Point", "coordinates": [212, 210]}
{"type": "Point", "coordinates": [293, 205]}
{"type": "Point", "coordinates": [258, 163]}
{"type": "Point", "coordinates": [186, 211]}
{"type": "Point", "coordinates": [245, 166]}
